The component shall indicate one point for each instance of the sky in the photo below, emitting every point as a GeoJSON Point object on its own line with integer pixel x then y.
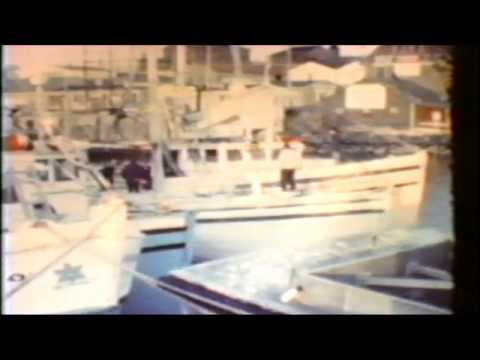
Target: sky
{"type": "Point", "coordinates": [34, 59]}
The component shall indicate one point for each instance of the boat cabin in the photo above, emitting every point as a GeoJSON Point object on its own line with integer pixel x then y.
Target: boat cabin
{"type": "Point", "coordinates": [191, 157]}
{"type": "Point", "coordinates": [49, 185]}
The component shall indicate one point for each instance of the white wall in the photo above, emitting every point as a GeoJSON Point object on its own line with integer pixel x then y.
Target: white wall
{"type": "Point", "coordinates": [366, 97]}
{"type": "Point", "coordinates": [350, 74]}
{"type": "Point", "coordinates": [346, 75]}
{"type": "Point", "coordinates": [311, 71]}
{"type": "Point", "coordinates": [357, 50]}
{"type": "Point", "coordinates": [407, 69]}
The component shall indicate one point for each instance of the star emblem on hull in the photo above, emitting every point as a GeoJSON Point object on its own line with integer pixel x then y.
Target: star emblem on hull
{"type": "Point", "coordinates": [70, 275]}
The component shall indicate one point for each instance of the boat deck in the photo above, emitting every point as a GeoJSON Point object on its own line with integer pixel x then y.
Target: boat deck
{"type": "Point", "coordinates": [255, 283]}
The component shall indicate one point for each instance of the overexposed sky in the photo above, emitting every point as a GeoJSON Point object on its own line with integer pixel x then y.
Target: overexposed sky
{"type": "Point", "coordinates": [33, 59]}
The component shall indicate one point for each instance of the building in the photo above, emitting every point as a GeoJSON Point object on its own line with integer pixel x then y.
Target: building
{"type": "Point", "coordinates": [390, 102]}
{"type": "Point", "coordinates": [338, 74]}
{"type": "Point", "coordinates": [405, 60]}
{"type": "Point", "coordinates": [220, 69]}
{"type": "Point", "coordinates": [314, 64]}
{"type": "Point", "coordinates": [197, 54]}
{"type": "Point", "coordinates": [61, 93]}
{"type": "Point", "coordinates": [357, 51]}
{"type": "Point", "coordinates": [280, 61]}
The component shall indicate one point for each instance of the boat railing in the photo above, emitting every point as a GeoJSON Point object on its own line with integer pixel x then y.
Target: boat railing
{"type": "Point", "coordinates": [34, 203]}
{"type": "Point", "coordinates": [42, 201]}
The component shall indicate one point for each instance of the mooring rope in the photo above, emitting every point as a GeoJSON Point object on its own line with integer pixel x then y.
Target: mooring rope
{"type": "Point", "coordinates": [76, 245]}
{"type": "Point", "coordinates": [150, 281]}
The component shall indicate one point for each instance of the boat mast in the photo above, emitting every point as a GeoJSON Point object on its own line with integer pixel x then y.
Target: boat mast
{"type": "Point", "coordinates": [289, 65]}
{"type": "Point", "coordinates": [156, 128]}
{"type": "Point", "coordinates": [131, 69]}
{"type": "Point", "coordinates": [237, 61]}
{"type": "Point", "coordinates": [208, 64]}
{"type": "Point", "coordinates": [85, 73]}
{"type": "Point", "coordinates": [66, 125]}
{"type": "Point", "coordinates": [110, 72]}
{"type": "Point", "coordinates": [181, 59]}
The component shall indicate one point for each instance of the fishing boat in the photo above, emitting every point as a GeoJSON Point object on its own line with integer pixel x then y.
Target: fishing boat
{"type": "Point", "coordinates": [397, 272]}
{"type": "Point", "coordinates": [239, 205]}
{"type": "Point", "coordinates": [219, 167]}
{"type": "Point", "coordinates": [64, 252]}
{"type": "Point", "coordinates": [232, 185]}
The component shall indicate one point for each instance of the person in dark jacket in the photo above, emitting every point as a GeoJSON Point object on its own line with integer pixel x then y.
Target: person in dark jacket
{"type": "Point", "coordinates": [133, 174]}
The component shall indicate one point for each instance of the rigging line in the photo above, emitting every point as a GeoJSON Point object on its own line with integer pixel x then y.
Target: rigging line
{"type": "Point", "coordinates": [155, 283]}
{"type": "Point", "coordinates": [150, 281]}
{"type": "Point", "coordinates": [61, 256]}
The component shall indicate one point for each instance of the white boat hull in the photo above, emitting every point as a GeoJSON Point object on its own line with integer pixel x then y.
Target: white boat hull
{"type": "Point", "coordinates": [89, 279]}
{"type": "Point", "coordinates": [241, 231]}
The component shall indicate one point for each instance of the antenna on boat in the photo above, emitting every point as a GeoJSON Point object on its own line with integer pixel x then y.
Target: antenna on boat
{"type": "Point", "coordinates": [181, 59]}
{"type": "Point", "coordinates": [237, 61]}
{"type": "Point", "coordinates": [208, 65]}
{"type": "Point", "coordinates": [85, 73]}
{"type": "Point", "coordinates": [110, 71]}
{"type": "Point", "coordinates": [289, 64]}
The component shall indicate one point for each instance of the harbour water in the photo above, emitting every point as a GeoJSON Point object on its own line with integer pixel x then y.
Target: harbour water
{"type": "Point", "coordinates": [436, 213]}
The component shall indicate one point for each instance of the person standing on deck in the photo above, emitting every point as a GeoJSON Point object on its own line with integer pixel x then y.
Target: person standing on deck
{"type": "Point", "coordinates": [133, 174]}
{"type": "Point", "coordinates": [290, 160]}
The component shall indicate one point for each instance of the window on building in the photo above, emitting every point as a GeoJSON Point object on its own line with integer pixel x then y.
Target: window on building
{"type": "Point", "coordinates": [9, 195]}
{"type": "Point", "coordinates": [212, 155]}
{"type": "Point", "coordinates": [79, 98]}
{"type": "Point", "coordinates": [170, 171]}
{"type": "Point", "coordinates": [97, 103]}
{"type": "Point", "coordinates": [234, 155]}
{"type": "Point", "coordinates": [43, 174]}
{"type": "Point", "coordinates": [58, 171]}
{"type": "Point", "coordinates": [55, 102]}
{"type": "Point", "coordinates": [276, 154]}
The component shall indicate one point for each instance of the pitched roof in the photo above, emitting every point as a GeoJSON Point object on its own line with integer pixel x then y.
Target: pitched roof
{"type": "Point", "coordinates": [316, 54]}
{"type": "Point", "coordinates": [430, 50]}
{"type": "Point", "coordinates": [419, 93]}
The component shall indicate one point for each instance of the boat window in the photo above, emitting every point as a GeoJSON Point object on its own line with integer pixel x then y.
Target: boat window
{"type": "Point", "coordinates": [194, 155]}
{"type": "Point", "coordinates": [9, 195]}
{"type": "Point", "coordinates": [43, 174]}
{"type": "Point", "coordinates": [170, 164]}
{"type": "Point", "coordinates": [234, 155]}
{"type": "Point", "coordinates": [257, 154]}
{"type": "Point", "coordinates": [59, 173]}
{"type": "Point", "coordinates": [90, 179]}
{"type": "Point", "coordinates": [212, 155]}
